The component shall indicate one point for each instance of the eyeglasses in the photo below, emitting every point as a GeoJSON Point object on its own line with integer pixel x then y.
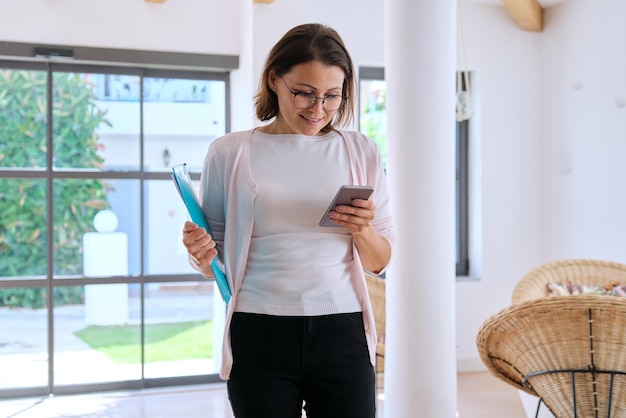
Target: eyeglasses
{"type": "Point", "coordinates": [303, 100]}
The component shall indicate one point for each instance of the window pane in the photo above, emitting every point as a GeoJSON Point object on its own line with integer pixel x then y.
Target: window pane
{"type": "Point", "coordinates": [23, 337]}
{"type": "Point", "coordinates": [96, 227]}
{"type": "Point", "coordinates": [95, 337]}
{"type": "Point", "coordinates": [183, 334]}
{"type": "Point", "coordinates": [23, 230]}
{"type": "Point", "coordinates": [123, 197]}
{"type": "Point", "coordinates": [23, 118]}
{"type": "Point", "coordinates": [96, 121]}
{"type": "Point", "coordinates": [181, 117]}
{"type": "Point", "coordinates": [373, 119]}
{"type": "Point", "coordinates": [101, 207]}
{"type": "Point", "coordinates": [462, 219]}
{"type": "Point", "coordinates": [166, 214]}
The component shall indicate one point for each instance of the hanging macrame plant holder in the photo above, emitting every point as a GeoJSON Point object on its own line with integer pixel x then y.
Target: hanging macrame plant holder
{"type": "Point", "coordinates": [464, 107]}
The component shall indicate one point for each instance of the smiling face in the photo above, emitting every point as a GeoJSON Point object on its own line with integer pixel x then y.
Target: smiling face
{"type": "Point", "coordinates": [311, 77]}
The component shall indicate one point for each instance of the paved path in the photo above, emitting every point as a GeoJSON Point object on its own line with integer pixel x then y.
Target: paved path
{"type": "Point", "coordinates": [24, 341]}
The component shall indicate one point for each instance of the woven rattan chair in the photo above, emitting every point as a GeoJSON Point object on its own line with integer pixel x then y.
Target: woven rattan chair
{"type": "Point", "coordinates": [581, 271]}
{"type": "Point", "coordinates": [376, 288]}
{"type": "Point", "coordinates": [567, 350]}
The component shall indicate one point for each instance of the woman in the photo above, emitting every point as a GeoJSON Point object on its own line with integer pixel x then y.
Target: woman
{"type": "Point", "coordinates": [299, 327]}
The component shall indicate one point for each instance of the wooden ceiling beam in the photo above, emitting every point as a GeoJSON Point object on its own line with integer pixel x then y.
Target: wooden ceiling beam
{"type": "Point", "coordinates": [528, 14]}
{"type": "Point", "coordinates": [256, 1]}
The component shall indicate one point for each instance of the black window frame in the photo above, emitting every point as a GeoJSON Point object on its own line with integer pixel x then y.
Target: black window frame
{"type": "Point", "coordinates": [23, 56]}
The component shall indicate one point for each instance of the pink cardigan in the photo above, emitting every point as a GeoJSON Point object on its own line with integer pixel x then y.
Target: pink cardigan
{"type": "Point", "coordinates": [228, 191]}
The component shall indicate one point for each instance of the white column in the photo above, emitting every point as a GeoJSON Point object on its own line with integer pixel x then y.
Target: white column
{"type": "Point", "coordinates": [420, 358]}
{"type": "Point", "coordinates": [242, 89]}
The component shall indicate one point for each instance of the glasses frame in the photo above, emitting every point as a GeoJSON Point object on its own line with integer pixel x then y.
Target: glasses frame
{"type": "Point", "coordinates": [313, 98]}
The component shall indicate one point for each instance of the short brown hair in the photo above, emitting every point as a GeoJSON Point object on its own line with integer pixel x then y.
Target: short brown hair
{"type": "Point", "coordinates": [304, 43]}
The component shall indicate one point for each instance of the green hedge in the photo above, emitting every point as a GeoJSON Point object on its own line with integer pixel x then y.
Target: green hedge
{"type": "Point", "coordinates": [23, 144]}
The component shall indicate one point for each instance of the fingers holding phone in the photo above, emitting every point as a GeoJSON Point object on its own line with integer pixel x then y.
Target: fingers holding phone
{"type": "Point", "coordinates": [354, 217]}
{"type": "Point", "coordinates": [350, 208]}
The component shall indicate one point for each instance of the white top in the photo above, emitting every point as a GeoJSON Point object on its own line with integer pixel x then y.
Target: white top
{"type": "Point", "coordinates": [228, 192]}
{"type": "Point", "coordinates": [295, 266]}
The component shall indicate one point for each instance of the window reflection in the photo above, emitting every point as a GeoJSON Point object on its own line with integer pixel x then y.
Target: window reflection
{"type": "Point", "coordinates": [23, 227]}
{"type": "Point", "coordinates": [373, 115]}
{"type": "Point", "coordinates": [97, 340]}
{"type": "Point", "coordinates": [23, 118]}
{"type": "Point", "coordinates": [181, 335]}
{"type": "Point", "coordinates": [180, 120]}
{"type": "Point", "coordinates": [23, 337]}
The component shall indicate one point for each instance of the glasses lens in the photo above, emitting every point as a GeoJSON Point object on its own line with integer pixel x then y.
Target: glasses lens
{"type": "Point", "coordinates": [303, 100]}
{"type": "Point", "coordinates": [332, 102]}
{"type": "Point", "coordinates": [306, 100]}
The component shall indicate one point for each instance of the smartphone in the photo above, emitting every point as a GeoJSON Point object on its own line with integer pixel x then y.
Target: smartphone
{"type": "Point", "coordinates": [344, 196]}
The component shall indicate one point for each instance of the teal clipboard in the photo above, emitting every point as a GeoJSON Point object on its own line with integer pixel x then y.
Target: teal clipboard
{"type": "Point", "coordinates": [185, 188]}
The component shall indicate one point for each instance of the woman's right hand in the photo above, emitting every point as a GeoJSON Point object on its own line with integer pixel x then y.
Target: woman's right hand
{"type": "Point", "coordinates": [199, 244]}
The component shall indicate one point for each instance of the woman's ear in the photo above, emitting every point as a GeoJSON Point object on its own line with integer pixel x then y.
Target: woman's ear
{"type": "Point", "coordinates": [271, 80]}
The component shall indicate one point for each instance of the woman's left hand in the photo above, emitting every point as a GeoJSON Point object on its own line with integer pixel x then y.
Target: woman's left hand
{"type": "Point", "coordinates": [374, 250]}
{"type": "Point", "coordinates": [355, 218]}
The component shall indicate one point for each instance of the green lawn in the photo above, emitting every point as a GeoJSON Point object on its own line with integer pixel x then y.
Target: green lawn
{"type": "Point", "coordinates": [163, 342]}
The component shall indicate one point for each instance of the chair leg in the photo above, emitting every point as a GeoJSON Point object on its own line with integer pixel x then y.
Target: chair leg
{"type": "Point", "coordinates": [538, 408]}
{"type": "Point", "coordinates": [377, 386]}
{"type": "Point", "coordinates": [378, 375]}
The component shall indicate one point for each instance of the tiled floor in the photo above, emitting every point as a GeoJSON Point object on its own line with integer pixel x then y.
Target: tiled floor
{"type": "Point", "coordinates": [480, 395]}
{"type": "Point", "coordinates": [180, 402]}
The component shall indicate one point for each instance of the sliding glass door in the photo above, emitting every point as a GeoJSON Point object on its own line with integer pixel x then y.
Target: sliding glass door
{"type": "Point", "coordinates": [95, 288]}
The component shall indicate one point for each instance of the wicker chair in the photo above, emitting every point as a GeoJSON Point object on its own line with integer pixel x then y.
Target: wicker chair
{"type": "Point", "coordinates": [376, 288]}
{"type": "Point", "coordinates": [567, 350]}
{"type": "Point", "coordinates": [534, 286]}
{"type": "Point", "coordinates": [592, 272]}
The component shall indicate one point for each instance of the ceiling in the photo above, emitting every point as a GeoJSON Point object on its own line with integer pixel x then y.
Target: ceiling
{"type": "Point", "coordinates": [528, 14]}
{"type": "Point", "coordinates": [543, 3]}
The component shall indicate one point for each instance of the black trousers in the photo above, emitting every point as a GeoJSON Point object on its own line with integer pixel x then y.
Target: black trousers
{"type": "Point", "coordinates": [283, 362]}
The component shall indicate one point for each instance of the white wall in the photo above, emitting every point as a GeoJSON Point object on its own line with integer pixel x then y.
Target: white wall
{"type": "Point", "coordinates": [196, 26]}
{"type": "Point", "coordinates": [584, 104]}
{"type": "Point", "coordinates": [506, 66]}
{"type": "Point", "coordinates": [553, 139]}
{"type": "Point", "coordinates": [360, 24]}
{"type": "Point", "coordinates": [549, 136]}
